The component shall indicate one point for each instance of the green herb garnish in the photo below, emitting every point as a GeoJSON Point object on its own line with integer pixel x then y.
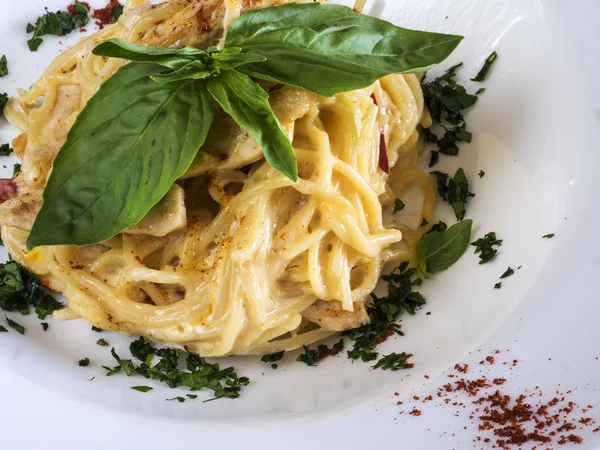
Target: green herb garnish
{"type": "Point", "coordinates": [84, 362]}
{"type": "Point", "coordinates": [455, 191]}
{"type": "Point", "coordinates": [384, 312]}
{"type": "Point", "coordinates": [3, 329]}
{"type": "Point", "coordinates": [485, 70]}
{"type": "Point", "coordinates": [424, 222]}
{"type": "Point", "coordinates": [485, 247]}
{"type": "Point", "coordinates": [497, 285]}
{"type": "Point", "coordinates": [446, 100]}
{"type": "Point", "coordinates": [97, 330]}
{"type": "Point", "coordinates": [16, 169]}
{"type": "Point", "coordinates": [440, 226]}
{"type": "Point", "coordinates": [45, 326]}
{"type": "Point", "coordinates": [394, 361]}
{"type": "Point", "coordinates": [508, 273]}
{"type": "Point", "coordinates": [20, 290]}
{"type": "Point", "coordinates": [143, 389]}
{"type": "Point", "coordinates": [5, 150]}
{"type": "Point", "coordinates": [3, 102]}
{"type": "Point", "coordinates": [3, 66]}
{"type": "Point", "coordinates": [398, 205]}
{"type": "Point", "coordinates": [481, 174]}
{"type": "Point", "coordinates": [142, 350]}
{"type": "Point", "coordinates": [272, 358]}
{"type": "Point", "coordinates": [165, 132]}
{"type": "Point", "coordinates": [125, 364]}
{"type": "Point", "coordinates": [57, 23]}
{"type": "Point", "coordinates": [179, 399]}
{"type": "Point", "coordinates": [102, 343]}
{"type": "Point", "coordinates": [308, 356]}
{"type": "Point", "coordinates": [548, 236]}
{"type": "Point", "coordinates": [438, 251]}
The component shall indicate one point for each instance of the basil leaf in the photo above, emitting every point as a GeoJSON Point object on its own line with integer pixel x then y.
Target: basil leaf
{"type": "Point", "coordinates": [439, 250]}
{"type": "Point", "coordinates": [173, 57]}
{"type": "Point", "coordinates": [248, 104]}
{"type": "Point", "coordinates": [193, 70]}
{"type": "Point", "coordinates": [227, 60]}
{"type": "Point", "coordinates": [127, 147]}
{"type": "Point", "coordinates": [327, 48]}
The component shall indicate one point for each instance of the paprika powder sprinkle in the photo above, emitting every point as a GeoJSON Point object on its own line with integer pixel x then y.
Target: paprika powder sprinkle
{"type": "Point", "coordinates": [109, 14]}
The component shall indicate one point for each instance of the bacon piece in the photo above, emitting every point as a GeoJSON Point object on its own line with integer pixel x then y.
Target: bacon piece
{"type": "Point", "coordinates": [8, 189]}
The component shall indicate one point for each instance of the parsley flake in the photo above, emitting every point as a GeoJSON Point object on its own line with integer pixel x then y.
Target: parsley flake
{"type": "Point", "coordinates": [3, 102]}
{"type": "Point", "coordinates": [97, 330]}
{"type": "Point", "coordinates": [497, 285]}
{"type": "Point", "coordinates": [309, 357]}
{"type": "Point", "coordinates": [398, 205]}
{"type": "Point", "coordinates": [3, 330]}
{"type": "Point", "coordinates": [102, 343]}
{"type": "Point", "coordinates": [485, 70]}
{"type": "Point", "coordinates": [179, 399]}
{"type": "Point", "coordinates": [14, 325]}
{"type": "Point", "coordinates": [5, 150]}
{"type": "Point", "coordinates": [57, 23]}
{"type": "Point", "coordinates": [272, 358]}
{"type": "Point", "coordinates": [3, 66]}
{"type": "Point", "coordinates": [45, 326]}
{"type": "Point", "coordinates": [508, 273]}
{"type": "Point", "coordinates": [454, 190]}
{"type": "Point", "coordinates": [143, 389]}
{"type": "Point", "coordinates": [548, 236]}
{"type": "Point", "coordinates": [84, 362]}
{"type": "Point", "coordinates": [16, 169]}
{"type": "Point", "coordinates": [394, 361]}
{"type": "Point", "coordinates": [481, 174]}
{"type": "Point", "coordinates": [142, 350]}
{"type": "Point", "coordinates": [485, 247]}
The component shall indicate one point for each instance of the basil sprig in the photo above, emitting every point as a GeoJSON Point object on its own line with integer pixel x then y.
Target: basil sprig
{"type": "Point", "coordinates": [146, 124]}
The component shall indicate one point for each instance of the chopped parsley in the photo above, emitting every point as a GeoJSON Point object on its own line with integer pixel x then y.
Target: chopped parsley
{"type": "Point", "coordinates": [424, 222]}
{"type": "Point", "coordinates": [398, 205]}
{"type": "Point", "coordinates": [481, 174]}
{"type": "Point", "coordinates": [143, 389]}
{"type": "Point", "coordinates": [497, 285]}
{"type": "Point", "coordinates": [3, 66]}
{"type": "Point", "coordinates": [438, 227]}
{"type": "Point", "coordinates": [394, 361]}
{"type": "Point", "coordinates": [57, 23]}
{"type": "Point", "coordinates": [124, 364]}
{"type": "Point", "coordinates": [97, 330]}
{"type": "Point", "coordinates": [16, 169]}
{"type": "Point", "coordinates": [308, 356]}
{"type": "Point", "coordinates": [102, 343]}
{"type": "Point", "coordinates": [384, 312]}
{"type": "Point", "coordinates": [454, 190]}
{"type": "Point", "coordinates": [272, 358]}
{"type": "Point", "coordinates": [485, 247]}
{"type": "Point", "coordinates": [179, 399]}
{"type": "Point", "coordinates": [142, 350]}
{"type": "Point", "coordinates": [548, 236]}
{"type": "Point", "coordinates": [3, 102]}
{"type": "Point", "coordinates": [3, 329]}
{"type": "Point", "coordinates": [480, 91]}
{"type": "Point", "coordinates": [485, 70]}
{"type": "Point", "coordinates": [84, 362]}
{"type": "Point", "coordinates": [20, 290]}
{"type": "Point", "coordinates": [508, 273]}
{"type": "Point", "coordinates": [5, 150]}
{"type": "Point", "coordinates": [446, 100]}
{"type": "Point", "coordinates": [45, 326]}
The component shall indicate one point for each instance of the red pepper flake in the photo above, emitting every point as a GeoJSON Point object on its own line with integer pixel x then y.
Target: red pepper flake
{"type": "Point", "coordinates": [71, 8]}
{"type": "Point", "coordinates": [514, 421]}
{"type": "Point", "coordinates": [106, 15]}
{"type": "Point", "coordinates": [385, 336]}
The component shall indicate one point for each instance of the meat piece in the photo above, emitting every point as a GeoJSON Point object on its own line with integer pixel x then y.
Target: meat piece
{"type": "Point", "coordinates": [331, 317]}
{"type": "Point", "coordinates": [229, 146]}
{"type": "Point", "coordinates": [20, 212]}
{"type": "Point", "coordinates": [166, 216]}
{"type": "Point", "coordinates": [8, 189]}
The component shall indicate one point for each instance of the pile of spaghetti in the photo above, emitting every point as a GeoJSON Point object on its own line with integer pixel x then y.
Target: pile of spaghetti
{"type": "Point", "coordinates": [236, 258]}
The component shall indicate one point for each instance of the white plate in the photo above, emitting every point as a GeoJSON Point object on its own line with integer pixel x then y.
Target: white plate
{"type": "Point", "coordinates": [536, 133]}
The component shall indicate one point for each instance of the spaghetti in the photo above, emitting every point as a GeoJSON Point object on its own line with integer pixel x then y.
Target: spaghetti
{"type": "Point", "coordinates": [250, 262]}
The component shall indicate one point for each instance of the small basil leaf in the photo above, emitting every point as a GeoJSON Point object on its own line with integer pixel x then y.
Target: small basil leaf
{"type": "Point", "coordinates": [193, 70]}
{"type": "Point", "coordinates": [248, 104]}
{"type": "Point", "coordinates": [439, 250]}
{"type": "Point", "coordinates": [173, 57]}
{"type": "Point", "coordinates": [102, 182]}
{"type": "Point", "coordinates": [229, 60]}
{"type": "Point", "coordinates": [327, 48]}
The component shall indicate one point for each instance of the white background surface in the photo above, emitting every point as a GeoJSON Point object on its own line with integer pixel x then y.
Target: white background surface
{"type": "Point", "coordinates": [536, 136]}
